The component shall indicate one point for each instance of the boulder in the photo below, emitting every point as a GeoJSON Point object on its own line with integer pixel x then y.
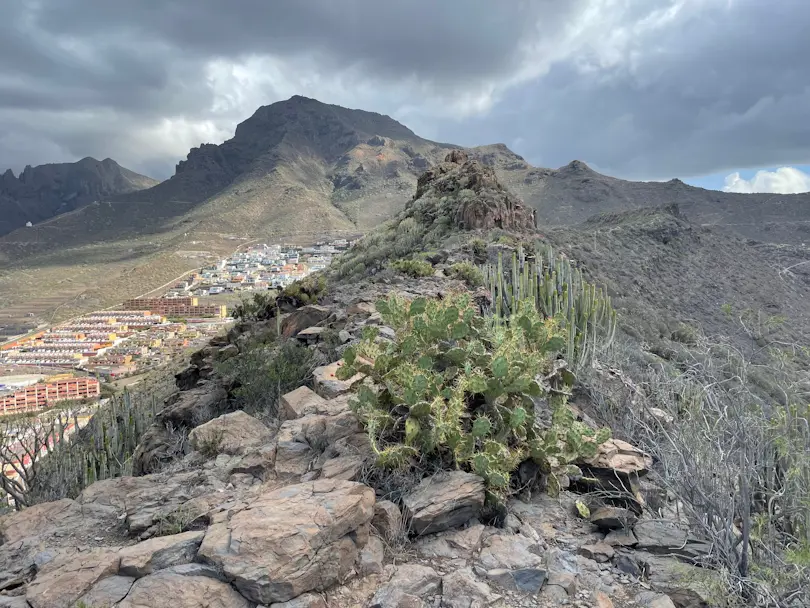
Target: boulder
{"type": "Point", "coordinates": [650, 599]}
{"type": "Point", "coordinates": [667, 537]}
{"type": "Point", "coordinates": [301, 319]}
{"type": "Point", "coordinates": [159, 553]}
{"type": "Point", "coordinates": [361, 308]}
{"type": "Point", "coordinates": [598, 552]}
{"type": "Point", "coordinates": [327, 384]}
{"type": "Point", "coordinates": [235, 433]}
{"type": "Point", "coordinates": [64, 581]}
{"type": "Point", "coordinates": [301, 441]}
{"type": "Point", "coordinates": [513, 562]}
{"type": "Point", "coordinates": [612, 518]}
{"type": "Point", "coordinates": [446, 500]}
{"type": "Point", "coordinates": [194, 407]}
{"type": "Point", "coordinates": [168, 588]}
{"type": "Point", "coordinates": [292, 540]}
{"type": "Point", "coordinates": [60, 517]}
{"type": "Point", "coordinates": [408, 583]}
{"type": "Point", "coordinates": [371, 557]}
{"type": "Point", "coordinates": [621, 538]}
{"type": "Point", "coordinates": [299, 403]}
{"type": "Point", "coordinates": [451, 544]}
{"type": "Point", "coordinates": [150, 500]}
{"type": "Point", "coordinates": [308, 600]}
{"type": "Point", "coordinates": [461, 589]}
{"type": "Point", "coordinates": [343, 467]}
{"type": "Point", "coordinates": [387, 519]}
{"type": "Point", "coordinates": [310, 335]}
{"type": "Point", "coordinates": [107, 592]}
{"type": "Point", "coordinates": [617, 466]}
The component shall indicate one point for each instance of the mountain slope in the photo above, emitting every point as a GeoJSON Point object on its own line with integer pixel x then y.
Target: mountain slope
{"type": "Point", "coordinates": [324, 166]}
{"type": "Point", "coordinates": [42, 192]}
{"type": "Point", "coordinates": [573, 193]}
{"type": "Point", "coordinates": [299, 170]}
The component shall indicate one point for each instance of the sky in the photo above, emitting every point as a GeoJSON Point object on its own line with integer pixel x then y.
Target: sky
{"type": "Point", "coordinates": [714, 92]}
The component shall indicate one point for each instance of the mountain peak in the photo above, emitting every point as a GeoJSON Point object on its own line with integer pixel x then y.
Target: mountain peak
{"type": "Point", "coordinates": [577, 166]}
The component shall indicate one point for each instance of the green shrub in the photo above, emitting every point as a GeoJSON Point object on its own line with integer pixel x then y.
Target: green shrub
{"type": "Point", "coordinates": [458, 387]}
{"type": "Point", "coordinates": [308, 290]}
{"type": "Point", "coordinates": [255, 308]}
{"type": "Point", "coordinates": [413, 268]}
{"type": "Point", "coordinates": [478, 248]}
{"type": "Point", "coordinates": [263, 374]}
{"type": "Point", "coordinates": [464, 271]}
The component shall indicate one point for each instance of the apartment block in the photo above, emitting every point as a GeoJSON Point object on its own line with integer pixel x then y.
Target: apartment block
{"type": "Point", "coordinates": [43, 394]}
{"type": "Point", "coordinates": [177, 307]}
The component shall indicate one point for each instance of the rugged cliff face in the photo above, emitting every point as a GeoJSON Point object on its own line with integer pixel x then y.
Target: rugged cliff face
{"type": "Point", "coordinates": [42, 192]}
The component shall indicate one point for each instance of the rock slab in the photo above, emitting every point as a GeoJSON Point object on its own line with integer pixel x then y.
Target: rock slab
{"type": "Point", "coordinates": [300, 538]}
{"type": "Point", "coordinates": [446, 500]}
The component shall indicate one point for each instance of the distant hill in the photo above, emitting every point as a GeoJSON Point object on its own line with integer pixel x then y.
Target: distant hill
{"type": "Point", "coordinates": [575, 192]}
{"type": "Point", "coordinates": [43, 192]}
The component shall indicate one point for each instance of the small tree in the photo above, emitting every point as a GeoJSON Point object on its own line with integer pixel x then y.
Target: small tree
{"type": "Point", "coordinates": [27, 440]}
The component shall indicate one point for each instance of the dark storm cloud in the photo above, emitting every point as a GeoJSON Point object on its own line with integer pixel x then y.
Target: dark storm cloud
{"type": "Point", "coordinates": [624, 85]}
{"type": "Point", "coordinates": [724, 88]}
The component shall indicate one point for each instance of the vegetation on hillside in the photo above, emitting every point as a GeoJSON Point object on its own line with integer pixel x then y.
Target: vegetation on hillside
{"type": "Point", "coordinates": [737, 460]}
{"type": "Point", "coordinates": [463, 389]}
{"type": "Point", "coordinates": [264, 372]}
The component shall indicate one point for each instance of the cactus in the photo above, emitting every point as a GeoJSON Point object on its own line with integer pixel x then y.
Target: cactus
{"type": "Point", "coordinates": [585, 312]}
{"type": "Point", "coordinates": [460, 387]}
{"type": "Point", "coordinates": [102, 449]}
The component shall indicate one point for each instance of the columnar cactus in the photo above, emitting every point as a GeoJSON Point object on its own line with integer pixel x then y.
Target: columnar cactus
{"type": "Point", "coordinates": [585, 312]}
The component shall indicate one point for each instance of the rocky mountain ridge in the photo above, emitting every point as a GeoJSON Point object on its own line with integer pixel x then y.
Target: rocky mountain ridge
{"type": "Point", "coordinates": [46, 191]}
{"type": "Point", "coordinates": [284, 508]}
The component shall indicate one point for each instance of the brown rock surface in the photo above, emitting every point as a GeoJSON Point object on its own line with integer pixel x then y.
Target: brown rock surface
{"type": "Point", "coordinates": [64, 581]}
{"type": "Point", "coordinates": [235, 433]}
{"type": "Point", "coordinates": [159, 553]}
{"type": "Point", "coordinates": [446, 500]}
{"type": "Point", "coordinates": [303, 318]}
{"type": "Point", "coordinates": [167, 588]}
{"type": "Point", "coordinates": [292, 540]}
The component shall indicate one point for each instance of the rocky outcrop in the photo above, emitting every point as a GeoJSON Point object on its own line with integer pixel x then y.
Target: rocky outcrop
{"type": "Point", "coordinates": [289, 541]}
{"type": "Point", "coordinates": [163, 441]}
{"type": "Point", "coordinates": [303, 318]}
{"type": "Point", "coordinates": [48, 190]}
{"type": "Point", "coordinates": [470, 194]}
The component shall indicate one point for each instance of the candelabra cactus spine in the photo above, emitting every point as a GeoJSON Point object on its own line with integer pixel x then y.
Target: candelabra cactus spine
{"type": "Point", "coordinates": [558, 290]}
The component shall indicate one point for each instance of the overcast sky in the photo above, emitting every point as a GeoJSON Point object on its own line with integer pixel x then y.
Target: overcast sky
{"type": "Point", "coordinates": [641, 89]}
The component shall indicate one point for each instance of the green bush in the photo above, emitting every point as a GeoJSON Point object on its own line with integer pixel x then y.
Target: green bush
{"type": "Point", "coordinates": [460, 388]}
{"type": "Point", "coordinates": [263, 374]}
{"type": "Point", "coordinates": [464, 271]}
{"type": "Point", "coordinates": [413, 268]}
{"type": "Point", "coordinates": [255, 308]}
{"type": "Point", "coordinates": [308, 290]}
{"type": "Point", "coordinates": [478, 248]}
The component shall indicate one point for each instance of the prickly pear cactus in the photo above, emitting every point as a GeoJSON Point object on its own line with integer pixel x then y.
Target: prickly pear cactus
{"type": "Point", "coordinates": [458, 386]}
